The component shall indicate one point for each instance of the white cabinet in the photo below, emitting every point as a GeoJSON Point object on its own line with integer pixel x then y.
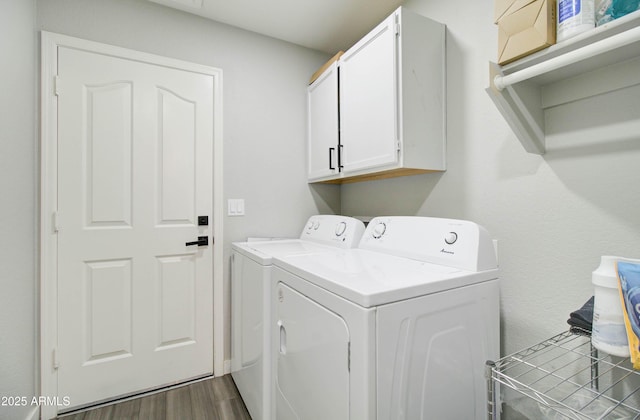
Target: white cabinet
{"type": "Point", "coordinates": [368, 101]}
{"type": "Point", "coordinates": [322, 125]}
{"type": "Point", "coordinates": [391, 94]}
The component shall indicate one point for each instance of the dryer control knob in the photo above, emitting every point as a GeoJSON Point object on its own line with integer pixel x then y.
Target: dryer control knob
{"type": "Point", "coordinates": [316, 225]}
{"type": "Point", "coordinates": [341, 228]}
{"type": "Point", "coordinates": [379, 230]}
{"type": "Point", "coordinates": [451, 237]}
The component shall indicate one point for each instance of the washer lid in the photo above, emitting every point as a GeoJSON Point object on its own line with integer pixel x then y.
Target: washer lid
{"type": "Point", "coordinates": [371, 278]}
{"type": "Point", "coordinates": [263, 251]}
{"type": "Point", "coordinates": [321, 233]}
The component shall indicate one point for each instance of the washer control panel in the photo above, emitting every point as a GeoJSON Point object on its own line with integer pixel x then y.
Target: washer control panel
{"type": "Point", "coordinates": [341, 231]}
{"type": "Point", "coordinates": [341, 228]}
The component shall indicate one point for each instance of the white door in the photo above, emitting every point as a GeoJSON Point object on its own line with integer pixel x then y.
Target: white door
{"type": "Point", "coordinates": [322, 138]}
{"type": "Point", "coordinates": [312, 363]}
{"type": "Point", "coordinates": [368, 100]}
{"type": "Point", "coordinates": [135, 157]}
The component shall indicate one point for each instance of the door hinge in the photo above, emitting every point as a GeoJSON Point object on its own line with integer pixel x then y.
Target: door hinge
{"type": "Point", "coordinates": [349, 356]}
{"type": "Point", "coordinates": [397, 28]}
{"type": "Point", "coordinates": [54, 222]}
{"type": "Point", "coordinates": [54, 358]}
{"type": "Point", "coordinates": [56, 85]}
{"type": "Point", "coordinates": [398, 145]}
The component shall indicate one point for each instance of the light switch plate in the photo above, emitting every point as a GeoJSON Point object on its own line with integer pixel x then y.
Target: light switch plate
{"type": "Point", "coordinates": [235, 207]}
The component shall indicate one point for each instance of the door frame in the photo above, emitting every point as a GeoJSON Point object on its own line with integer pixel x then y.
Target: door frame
{"type": "Point", "coordinates": [49, 193]}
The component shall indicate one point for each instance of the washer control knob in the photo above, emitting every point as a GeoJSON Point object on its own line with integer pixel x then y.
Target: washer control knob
{"type": "Point", "coordinates": [316, 225]}
{"type": "Point", "coordinates": [341, 228]}
{"type": "Point", "coordinates": [451, 237]}
{"type": "Point", "coordinates": [310, 225]}
{"type": "Point", "coordinates": [379, 230]}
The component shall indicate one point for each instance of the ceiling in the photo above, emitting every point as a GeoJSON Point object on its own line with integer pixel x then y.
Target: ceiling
{"type": "Point", "coordinates": [324, 25]}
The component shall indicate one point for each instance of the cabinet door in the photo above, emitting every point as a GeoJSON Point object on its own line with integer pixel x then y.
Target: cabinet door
{"type": "Point", "coordinates": [323, 125]}
{"type": "Point", "coordinates": [368, 100]}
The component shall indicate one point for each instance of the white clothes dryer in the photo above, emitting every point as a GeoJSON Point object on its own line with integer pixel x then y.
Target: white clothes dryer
{"type": "Point", "coordinates": [399, 328]}
{"type": "Point", "coordinates": [251, 299]}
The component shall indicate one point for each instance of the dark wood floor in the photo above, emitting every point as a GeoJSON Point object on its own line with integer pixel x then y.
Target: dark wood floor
{"type": "Point", "coordinates": [209, 399]}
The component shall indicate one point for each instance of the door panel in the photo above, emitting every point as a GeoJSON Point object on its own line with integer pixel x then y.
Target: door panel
{"type": "Point", "coordinates": [109, 141]}
{"type": "Point", "coordinates": [312, 372]}
{"type": "Point", "coordinates": [135, 156]}
{"type": "Point", "coordinates": [177, 145]}
{"type": "Point", "coordinates": [176, 300]}
{"type": "Point", "coordinates": [107, 310]}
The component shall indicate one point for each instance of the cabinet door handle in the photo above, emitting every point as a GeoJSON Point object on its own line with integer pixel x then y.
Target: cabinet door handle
{"type": "Point", "coordinates": [340, 166]}
{"type": "Point", "coordinates": [331, 150]}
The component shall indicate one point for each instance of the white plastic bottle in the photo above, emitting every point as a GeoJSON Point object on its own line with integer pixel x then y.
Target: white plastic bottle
{"type": "Point", "coordinates": [574, 17]}
{"type": "Point", "coordinates": [609, 333]}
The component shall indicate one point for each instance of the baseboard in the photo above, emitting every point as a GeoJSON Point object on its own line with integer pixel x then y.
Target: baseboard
{"type": "Point", "coordinates": [227, 367]}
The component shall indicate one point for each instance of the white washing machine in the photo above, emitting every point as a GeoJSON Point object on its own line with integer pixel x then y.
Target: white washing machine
{"type": "Point", "coordinates": [399, 328]}
{"type": "Point", "coordinates": [251, 298]}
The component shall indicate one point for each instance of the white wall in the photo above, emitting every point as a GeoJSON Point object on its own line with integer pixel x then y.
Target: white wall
{"type": "Point", "coordinates": [554, 215]}
{"type": "Point", "coordinates": [264, 90]}
{"type": "Point", "coordinates": [18, 221]}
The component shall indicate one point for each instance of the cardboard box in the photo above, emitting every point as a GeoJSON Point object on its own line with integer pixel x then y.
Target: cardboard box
{"type": "Point", "coordinates": [507, 7]}
{"type": "Point", "coordinates": [525, 26]}
{"type": "Point", "coordinates": [325, 66]}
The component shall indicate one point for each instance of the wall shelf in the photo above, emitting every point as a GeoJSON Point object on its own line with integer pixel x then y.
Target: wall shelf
{"type": "Point", "coordinates": [597, 62]}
